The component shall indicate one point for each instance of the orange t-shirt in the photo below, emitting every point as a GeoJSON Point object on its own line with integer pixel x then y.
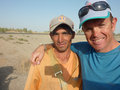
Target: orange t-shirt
{"type": "Point", "coordinates": [41, 77]}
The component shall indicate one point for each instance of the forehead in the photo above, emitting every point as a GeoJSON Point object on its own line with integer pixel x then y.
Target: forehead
{"type": "Point", "coordinates": [61, 30]}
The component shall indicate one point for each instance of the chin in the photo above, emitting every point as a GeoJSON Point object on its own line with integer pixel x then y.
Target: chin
{"type": "Point", "coordinates": [62, 49]}
{"type": "Point", "coordinates": [98, 49]}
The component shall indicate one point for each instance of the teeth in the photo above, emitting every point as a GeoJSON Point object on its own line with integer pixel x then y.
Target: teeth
{"type": "Point", "coordinates": [98, 40]}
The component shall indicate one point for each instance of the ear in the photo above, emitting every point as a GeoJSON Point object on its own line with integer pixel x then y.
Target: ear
{"type": "Point", "coordinates": [73, 35]}
{"type": "Point", "coordinates": [114, 21]}
{"type": "Point", "coordinates": [50, 35]}
{"type": "Point", "coordinates": [83, 29]}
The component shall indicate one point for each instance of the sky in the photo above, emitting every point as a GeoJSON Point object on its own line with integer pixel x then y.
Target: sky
{"type": "Point", "coordinates": [36, 14]}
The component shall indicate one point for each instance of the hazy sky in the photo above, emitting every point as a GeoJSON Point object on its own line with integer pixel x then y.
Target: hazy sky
{"type": "Point", "coordinates": [36, 14]}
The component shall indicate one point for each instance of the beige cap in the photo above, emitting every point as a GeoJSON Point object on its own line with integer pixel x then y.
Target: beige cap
{"type": "Point", "coordinates": [61, 20]}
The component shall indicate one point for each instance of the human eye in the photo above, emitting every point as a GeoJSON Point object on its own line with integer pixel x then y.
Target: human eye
{"type": "Point", "coordinates": [101, 25]}
{"type": "Point", "coordinates": [55, 34]}
{"type": "Point", "coordinates": [65, 33]}
{"type": "Point", "coordinates": [87, 29]}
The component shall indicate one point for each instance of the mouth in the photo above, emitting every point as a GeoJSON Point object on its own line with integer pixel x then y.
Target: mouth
{"type": "Point", "coordinates": [98, 41]}
{"type": "Point", "coordinates": [61, 44]}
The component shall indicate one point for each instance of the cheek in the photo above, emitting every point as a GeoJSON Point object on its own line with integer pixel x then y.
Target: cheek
{"type": "Point", "coordinates": [88, 34]}
{"type": "Point", "coordinates": [67, 38]}
{"type": "Point", "coordinates": [54, 39]}
{"type": "Point", "coordinates": [70, 39]}
{"type": "Point", "coordinates": [108, 30]}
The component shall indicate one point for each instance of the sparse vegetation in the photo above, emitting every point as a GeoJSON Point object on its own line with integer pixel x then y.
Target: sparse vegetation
{"type": "Point", "coordinates": [1, 37]}
{"type": "Point", "coordinates": [1, 53]}
{"type": "Point", "coordinates": [10, 35]}
{"type": "Point", "coordinates": [22, 39]}
{"type": "Point", "coordinates": [10, 38]}
{"type": "Point", "coordinates": [19, 42]}
{"type": "Point", "coordinates": [27, 36]}
{"type": "Point", "coordinates": [12, 30]}
{"type": "Point", "coordinates": [3, 30]}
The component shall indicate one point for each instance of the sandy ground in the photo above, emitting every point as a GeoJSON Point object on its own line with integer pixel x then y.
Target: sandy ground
{"type": "Point", "coordinates": [15, 52]}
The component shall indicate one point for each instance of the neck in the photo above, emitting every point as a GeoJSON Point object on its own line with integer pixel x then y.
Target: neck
{"type": "Point", "coordinates": [63, 57]}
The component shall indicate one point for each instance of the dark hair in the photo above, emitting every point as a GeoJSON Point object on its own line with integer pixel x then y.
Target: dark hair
{"type": "Point", "coordinates": [63, 26]}
{"type": "Point", "coordinates": [111, 17]}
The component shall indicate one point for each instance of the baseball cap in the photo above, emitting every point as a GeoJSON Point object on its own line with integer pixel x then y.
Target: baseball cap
{"type": "Point", "coordinates": [55, 22]}
{"type": "Point", "coordinates": [92, 14]}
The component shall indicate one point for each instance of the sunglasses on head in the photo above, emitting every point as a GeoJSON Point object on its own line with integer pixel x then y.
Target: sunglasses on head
{"type": "Point", "coordinates": [97, 6]}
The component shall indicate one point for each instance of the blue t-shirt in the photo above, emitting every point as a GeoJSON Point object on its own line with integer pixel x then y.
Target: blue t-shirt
{"type": "Point", "coordinates": [100, 71]}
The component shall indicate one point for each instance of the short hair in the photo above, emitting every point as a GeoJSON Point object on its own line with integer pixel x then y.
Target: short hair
{"type": "Point", "coordinates": [111, 17]}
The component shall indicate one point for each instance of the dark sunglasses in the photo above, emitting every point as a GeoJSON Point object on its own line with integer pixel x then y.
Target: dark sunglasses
{"type": "Point", "coordinates": [97, 6]}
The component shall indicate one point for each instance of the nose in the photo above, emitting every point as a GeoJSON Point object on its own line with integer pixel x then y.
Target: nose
{"type": "Point", "coordinates": [60, 38]}
{"type": "Point", "coordinates": [95, 32]}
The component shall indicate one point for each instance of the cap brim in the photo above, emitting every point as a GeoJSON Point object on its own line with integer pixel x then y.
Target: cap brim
{"type": "Point", "coordinates": [55, 26]}
{"type": "Point", "coordinates": [95, 15]}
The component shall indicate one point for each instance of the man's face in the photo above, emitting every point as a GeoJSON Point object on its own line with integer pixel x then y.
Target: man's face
{"type": "Point", "coordinates": [99, 33]}
{"type": "Point", "coordinates": [62, 40]}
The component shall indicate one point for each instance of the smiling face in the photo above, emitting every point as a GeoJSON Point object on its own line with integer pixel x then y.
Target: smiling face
{"type": "Point", "coordinates": [99, 33]}
{"type": "Point", "coordinates": [62, 39]}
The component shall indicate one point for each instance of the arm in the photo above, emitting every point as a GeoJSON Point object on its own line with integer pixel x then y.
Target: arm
{"type": "Point", "coordinates": [38, 54]}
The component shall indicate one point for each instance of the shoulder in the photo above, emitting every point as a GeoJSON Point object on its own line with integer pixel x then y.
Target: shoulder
{"type": "Point", "coordinates": [81, 46]}
{"type": "Point", "coordinates": [46, 58]}
{"type": "Point", "coordinates": [74, 56]}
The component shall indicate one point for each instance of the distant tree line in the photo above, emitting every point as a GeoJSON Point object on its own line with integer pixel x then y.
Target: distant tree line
{"type": "Point", "coordinates": [79, 32]}
{"type": "Point", "coordinates": [24, 30]}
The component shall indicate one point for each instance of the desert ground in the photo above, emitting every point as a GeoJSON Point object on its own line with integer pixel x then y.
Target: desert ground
{"type": "Point", "coordinates": [15, 53]}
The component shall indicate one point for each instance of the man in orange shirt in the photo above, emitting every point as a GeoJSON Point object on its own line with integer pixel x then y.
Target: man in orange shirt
{"type": "Point", "coordinates": [60, 68]}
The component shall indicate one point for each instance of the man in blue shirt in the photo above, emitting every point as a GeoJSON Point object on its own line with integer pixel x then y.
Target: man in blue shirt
{"type": "Point", "coordinates": [100, 56]}
{"type": "Point", "coordinates": [100, 59]}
